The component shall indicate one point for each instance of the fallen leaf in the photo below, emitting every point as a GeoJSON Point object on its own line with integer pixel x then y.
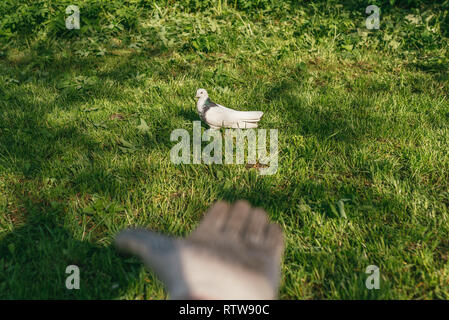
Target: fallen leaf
{"type": "Point", "coordinates": [117, 116]}
{"type": "Point", "coordinates": [91, 109]}
{"type": "Point", "coordinates": [143, 127]}
{"type": "Point", "coordinates": [341, 208]}
{"type": "Point", "coordinates": [126, 143]}
{"type": "Point", "coordinates": [256, 165]}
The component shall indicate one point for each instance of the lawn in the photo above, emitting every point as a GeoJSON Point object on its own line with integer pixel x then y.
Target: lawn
{"type": "Point", "coordinates": [362, 118]}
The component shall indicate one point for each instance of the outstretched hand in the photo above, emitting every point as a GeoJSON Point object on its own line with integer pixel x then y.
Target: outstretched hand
{"type": "Point", "coordinates": [234, 253]}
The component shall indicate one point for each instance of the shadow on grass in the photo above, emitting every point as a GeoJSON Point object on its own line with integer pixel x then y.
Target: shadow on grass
{"type": "Point", "coordinates": [35, 254]}
{"type": "Point", "coordinates": [189, 115]}
{"type": "Point", "coordinates": [349, 124]}
{"type": "Point", "coordinates": [34, 258]}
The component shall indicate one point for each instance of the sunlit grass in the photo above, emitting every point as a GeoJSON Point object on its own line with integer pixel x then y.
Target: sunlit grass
{"type": "Point", "coordinates": [369, 125]}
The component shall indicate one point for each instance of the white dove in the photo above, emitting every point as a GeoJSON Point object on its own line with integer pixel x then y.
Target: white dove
{"type": "Point", "coordinates": [217, 116]}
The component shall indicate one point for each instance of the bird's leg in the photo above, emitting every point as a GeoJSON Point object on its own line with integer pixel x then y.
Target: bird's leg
{"type": "Point", "coordinates": [233, 254]}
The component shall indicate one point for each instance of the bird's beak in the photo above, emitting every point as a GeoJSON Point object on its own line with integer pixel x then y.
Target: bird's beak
{"type": "Point", "coordinates": [197, 97]}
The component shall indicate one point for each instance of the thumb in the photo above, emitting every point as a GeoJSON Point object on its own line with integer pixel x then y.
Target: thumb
{"type": "Point", "coordinates": [159, 253]}
{"type": "Point", "coordinates": [153, 248]}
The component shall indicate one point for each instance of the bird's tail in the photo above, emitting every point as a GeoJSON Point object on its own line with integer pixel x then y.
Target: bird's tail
{"type": "Point", "coordinates": [248, 119]}
{"type": "Point", "coordinates": [245, 125]}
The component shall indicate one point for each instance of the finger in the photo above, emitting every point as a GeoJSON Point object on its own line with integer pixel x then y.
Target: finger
{"type": "Point", "coordinates": [146, 244]}
{"type": "Point", "coordinates": [274, 240]}
{"type": "Point", "coordinates": [238, 217]}
{"type": "Point", "coordinates": [256, 226]}
{"type": "Point", "coordinates": [214, 219]}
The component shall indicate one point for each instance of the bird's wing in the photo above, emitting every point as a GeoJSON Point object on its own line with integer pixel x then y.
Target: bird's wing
{"type": "Point", "coordinates": [217, 116]}
{"type": "Point", "coordinates": [241, 115]}
{"type": "Point", "coordinates": [222, 116]}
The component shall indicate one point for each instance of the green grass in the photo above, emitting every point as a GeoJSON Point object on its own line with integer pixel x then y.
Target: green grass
{"type": "Point", "coordinates": [362, 115]}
